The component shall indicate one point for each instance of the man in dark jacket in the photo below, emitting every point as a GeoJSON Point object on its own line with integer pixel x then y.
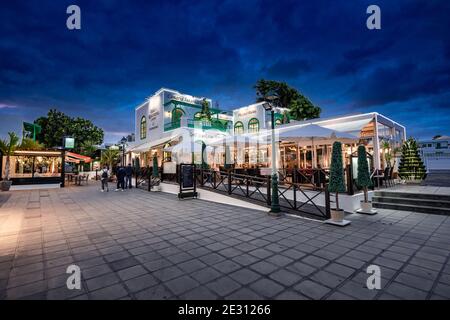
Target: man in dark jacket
{"type": "Point", "coordinates": [128, 176]}
{"type": "Point", "coordinates": [120, 178]}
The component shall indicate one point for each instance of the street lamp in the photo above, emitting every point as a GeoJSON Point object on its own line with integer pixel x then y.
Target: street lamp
{"type": "Point", "coordinates": [275, 204]}
{"type": "Point", "coordinates": [123, 141]}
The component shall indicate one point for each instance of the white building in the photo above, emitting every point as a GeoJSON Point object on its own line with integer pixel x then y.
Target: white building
{"type": "Point", "coordinates": [167, 124]}
{"type": "Point", "coordinates": [435, 153]}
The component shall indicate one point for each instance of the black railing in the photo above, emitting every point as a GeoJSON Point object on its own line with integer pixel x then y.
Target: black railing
{"type": "Point", "coordinates": [294, 197]}
{"type": "Point", "coordinates": [144, 178]}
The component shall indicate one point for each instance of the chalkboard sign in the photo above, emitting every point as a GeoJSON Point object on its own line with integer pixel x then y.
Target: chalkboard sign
{"type": "Point", "coordinates": [187, 176]}
{"type": "Point", "coordinates": [188, 188]}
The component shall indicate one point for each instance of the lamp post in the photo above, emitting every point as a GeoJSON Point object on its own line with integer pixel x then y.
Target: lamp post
{"type": "Point", "coordinates": [275, 204]}
{"type": "Point", "coordinates": [123, 141]}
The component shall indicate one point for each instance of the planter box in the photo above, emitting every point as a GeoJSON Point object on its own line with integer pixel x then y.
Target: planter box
{"type": "Point", "coordinates": [5, 185]}
{"type": "Point", "coordinates": [366, 208]}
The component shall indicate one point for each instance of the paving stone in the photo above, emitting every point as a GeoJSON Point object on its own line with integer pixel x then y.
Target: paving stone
{"type": "Point", "coordinates": [285, 277]}
{"type": "Point", "coordinates": [212, 258]}
{"type": "Point", "coordinates": [414, 281]}
{"type": "Point", "coordinates": [357, 290]}
{"type": "Point", "coordinates": [167, 274]}
{"type": "Point", "coordinates": [243, 294]}
{"type": "Point", "coordinates": [266, 288]}
{"type": "Point", "coordinates": [158, 292]}
{"type": "Point", "coordinates": [199, 293]}
{"type": "Point", "coordinates": [261, 253]}
{"type": "Point", "coordinates": [405, 292]}
{"type": "Point", "coordinates": [442, 290]}
{"type": "Point", "coordinates": [279, 260]}
{"type": "Point", "coordinates": [102, 281]}
{"type": "Point", "coordinates": [113, 292]}
{"type": "Point", "coordinates": [244, 276]}
{"type": "Point", "coordinates": [131, 272]}
{"type": "Point", "coordinates": [312, 289]}
{"type": "Point", "coordinates": [139, 283]}
{"type": "Point", "coordinates": [301, 268]}
{"type": "Point", "coordinates": [223, 286]}
{"type": "Point", "coordinates": [245, 259]}
{"type": "Point", "coordinates": [263, 267]}
{"type": "Point", "coordinates": [340, 269]}
{"type": "Point", "coordinates": [26, 290]}
{"type": "Point", "coordinates": [206, 275]}
{"type": "Point", "coordinates": [315, 261]}
{"type": "Point", "coordinates": [181, 284]}
{"type": "Point", "coordinates": [123, 263]}
{"type": "Point", "coordinates": [227, 266]}
{"type": "Point", "coordinates": [327, 279]}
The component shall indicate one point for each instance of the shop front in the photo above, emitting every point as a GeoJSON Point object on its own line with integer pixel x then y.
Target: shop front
{"type": "Point", "coordinates": [34, 167]}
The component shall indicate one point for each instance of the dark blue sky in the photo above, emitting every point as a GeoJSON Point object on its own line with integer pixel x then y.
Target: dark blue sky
{"type": "Point", "coordinates": [126, 50]}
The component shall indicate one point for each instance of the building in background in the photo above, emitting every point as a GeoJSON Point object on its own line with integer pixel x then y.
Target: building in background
{"type": "Point", "coordinates": [435, 153]}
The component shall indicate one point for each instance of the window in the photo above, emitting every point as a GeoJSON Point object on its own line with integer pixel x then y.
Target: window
{"type": "Point", "coordinates": [143, 128]}
{"type": "Point", "coordinates": [253, 125]}
{"type": "Point", "coordinates": [177, 113]}
{"type": "Point", "coordinates": [239, 128]}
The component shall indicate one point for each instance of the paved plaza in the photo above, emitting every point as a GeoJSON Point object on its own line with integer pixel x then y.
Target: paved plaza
{"type": "Point", "coordinates": [142, 245]}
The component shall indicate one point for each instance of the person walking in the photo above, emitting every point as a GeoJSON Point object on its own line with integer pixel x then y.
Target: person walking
{"type": "Point", "coordinates": [104, 179]}
{"type": "Point", "coordinates": [120, 179]}
{"type": "Point", "coordinates": [128, 176]}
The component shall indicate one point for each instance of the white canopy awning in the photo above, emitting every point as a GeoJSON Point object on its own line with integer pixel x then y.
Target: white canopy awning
{"type": "Point", "coordinates": [151, 144]}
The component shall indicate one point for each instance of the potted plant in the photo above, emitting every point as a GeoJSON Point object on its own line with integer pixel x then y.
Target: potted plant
{"type": "Point", "coordinates": [155, 175]}
{"type": "Point", "coordinates": [363, 181]}
{"type": "Point", "coordinates": [336, 184]}
{"type": "Point", "coordinates": [7, 148]}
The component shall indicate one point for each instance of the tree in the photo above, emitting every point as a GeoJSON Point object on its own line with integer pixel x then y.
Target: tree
{"type": "Point", "coordinates": [411, 166]}
{"type": "Point", "coordinates": [301, 108]}
{"type": "Point", "coordinates": [30, 144]}
{"type": "Point", "coordinates": [155, 172]}
{"type": "Point", "coordinates": [110, 157]}
{"type": "Point", "coordinates": [205, 114]}
{"type": "Point", "coordinates": [363, 179]}
{"type": "Point", "coordinates": [336, 184]}
{"type": "Point", "coordinates": [57, 124]}
{"type": "Point", "coordinates": [7, 148]}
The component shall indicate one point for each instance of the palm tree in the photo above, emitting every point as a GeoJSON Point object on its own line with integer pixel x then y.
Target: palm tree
{"type": "Point", "coordinates": [88, 148]}
{"type": "Point", "coordinates": [386, 147]}
{"type": "Point", "coordinates": [109, 157]}
{"type": "Point", "coordinates": [7, 148]}
{"type": "Point", "coordinates": [30, 144]}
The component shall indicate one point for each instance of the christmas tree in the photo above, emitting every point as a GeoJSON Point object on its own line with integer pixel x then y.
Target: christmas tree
{"type": "Point", "coordinates": [411, 166]}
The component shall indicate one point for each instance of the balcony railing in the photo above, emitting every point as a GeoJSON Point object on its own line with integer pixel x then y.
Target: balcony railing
{"type": "Point", "coordinates": [205, 125]}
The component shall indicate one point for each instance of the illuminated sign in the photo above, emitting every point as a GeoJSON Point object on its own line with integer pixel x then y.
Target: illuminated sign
{"type": "Point", "coordinates": [186, 98]}
{"type": "Point", "coordinates": [69, 143]}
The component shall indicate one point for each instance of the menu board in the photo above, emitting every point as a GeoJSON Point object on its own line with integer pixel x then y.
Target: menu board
{"type": "Point", "coordinates": [187, 175]}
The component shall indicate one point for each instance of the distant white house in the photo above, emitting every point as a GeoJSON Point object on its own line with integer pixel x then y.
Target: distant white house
{"type": "Point", "coordinates": [435, 153]}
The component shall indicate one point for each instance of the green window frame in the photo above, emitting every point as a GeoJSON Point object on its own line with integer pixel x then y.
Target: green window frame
{"type": "Point", "coordinates": [177, 113]}
{"type": "Point", "coordinates": [238, 128]}
{"type": "Point", "coordinates": [253, 125]}
{"type": "Point", "coordinates": [143, 128]}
